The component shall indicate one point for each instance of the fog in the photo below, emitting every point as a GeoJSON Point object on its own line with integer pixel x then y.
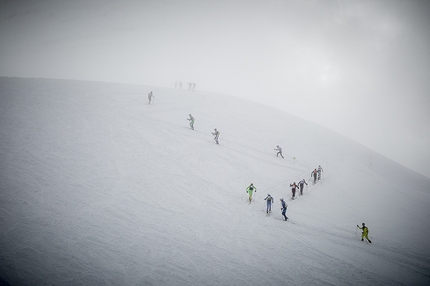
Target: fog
{"type": "Point", "coordinates": [361, 68]}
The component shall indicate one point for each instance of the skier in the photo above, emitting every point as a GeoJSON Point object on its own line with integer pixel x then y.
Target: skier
{"type": "Point", "coordinates": [249, 190]}
{"type": "Point", "coordinates": [365, 233]}
{"type": "Point", "coordinates": [150, 97]}
{"type": "Point", "coordinates": [216, 134]}
{"type": "Point", "coordinates": [269, 200]}
{"type": "Point", "coordinates": [293, 189]}
{"type": "Point", "coordinates": [314, 173]}
{"type": "Point", "coordinates": [301, 185]}
{"type": "Point", "coordinates": [320, 170]}
{"type": "Point", "coordinates": [284, 209]}
{"type": "Point", "coordinates": [191, 120]}
{"type": "Point", "coordinates": [279, 149]}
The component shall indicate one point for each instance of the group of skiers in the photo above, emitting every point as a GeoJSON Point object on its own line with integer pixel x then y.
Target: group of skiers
{"type": "Point", "coordinates": [316, 174]}
{"type": "Point", "coordinates": [215, 133]}
{"type": "Point", "coordinates": [191, 85]}
{"type": "Point", "coordinates": [269, 201]}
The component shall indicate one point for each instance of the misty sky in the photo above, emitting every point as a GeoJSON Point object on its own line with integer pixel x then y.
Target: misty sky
{"type": "Point", "coordinates": [361, 68]}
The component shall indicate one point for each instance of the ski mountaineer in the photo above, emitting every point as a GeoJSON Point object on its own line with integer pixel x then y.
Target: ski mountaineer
{"type": "Point", "coordinates": [284, 209]}
{"type": "Point", "coordinates": [320, 170]}
{"type": "Point", "coordinates": [269, 200]}
{"type": "Point", "coordinates": [249, 190]}
{"type": "Point", "coordinates": [301, 185]}
{"type": "Point", "coordinates": [365, 233]}
{"type": "Point", "coordinates": [216, 134]}
{"type": "Point", "coordinates": [150, 97]}
{"type": "Point", "coordinates": [293, 189]}
{"type": "Point", "coordinates": [279, 149]}
{"type": "Point", "coordinates": [191, 120]}
{"type": "Point", "coordinates": [314, 173]}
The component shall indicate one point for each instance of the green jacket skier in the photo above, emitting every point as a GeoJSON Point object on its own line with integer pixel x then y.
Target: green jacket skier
{"type": "Point", "coordinates": [365, 233]}
{"type": "Point", "coordinates": [251, 188]}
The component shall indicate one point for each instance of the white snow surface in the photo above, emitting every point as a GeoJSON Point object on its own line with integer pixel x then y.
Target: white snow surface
{"type": "Point", "coordinates": [100, 188]}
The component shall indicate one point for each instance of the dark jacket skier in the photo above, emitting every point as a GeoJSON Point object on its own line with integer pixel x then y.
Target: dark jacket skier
{"type": "Point", "coordinates": [284, 209]}
{"type": "Point", "coordinates": [314, 173]}
{"type": "Point", "coordinates": [301, 185]}
{"type": "Point", "coordinates": [293, 189]}
{"type": "Point", "coordinates": [269, 200]}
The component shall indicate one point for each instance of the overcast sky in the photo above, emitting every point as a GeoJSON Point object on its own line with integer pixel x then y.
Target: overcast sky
{"type": "Point", "coordinates": [361, 68]}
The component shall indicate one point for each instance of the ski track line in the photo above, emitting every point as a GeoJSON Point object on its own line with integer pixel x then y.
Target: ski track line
{"type": "Point", "coordinates": [189, 259]}
{"type": "Point", "coordinates": [330, 259]}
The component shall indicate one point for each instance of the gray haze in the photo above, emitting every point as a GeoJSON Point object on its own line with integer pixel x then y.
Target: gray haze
{"type": "Point", "coordinates": [361, 68]}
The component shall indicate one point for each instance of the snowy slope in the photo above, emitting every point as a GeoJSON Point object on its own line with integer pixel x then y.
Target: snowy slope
{"type": "Point", "coordinates": [100, 188]}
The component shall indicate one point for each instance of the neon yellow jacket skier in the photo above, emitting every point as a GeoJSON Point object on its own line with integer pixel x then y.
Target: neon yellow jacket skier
{"type": "Point", "coordinates": [251, 188]}
{"type": "Point", "coordinates": [365, 233]}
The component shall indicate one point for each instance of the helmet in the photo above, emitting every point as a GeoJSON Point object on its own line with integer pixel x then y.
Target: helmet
{"type": "Point", "coordinates": [363, 223]}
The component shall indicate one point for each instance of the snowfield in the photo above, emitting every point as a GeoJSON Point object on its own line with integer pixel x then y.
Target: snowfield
{"type": "Point", "coordinates": [100, 188]}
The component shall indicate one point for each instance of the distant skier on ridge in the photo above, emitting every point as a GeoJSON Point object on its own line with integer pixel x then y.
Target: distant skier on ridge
{"type": "Point", "coordinates": [150, 97]}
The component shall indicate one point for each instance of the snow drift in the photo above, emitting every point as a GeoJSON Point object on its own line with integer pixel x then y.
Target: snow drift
{"type": "Point", "coordinates": [100, 188]}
